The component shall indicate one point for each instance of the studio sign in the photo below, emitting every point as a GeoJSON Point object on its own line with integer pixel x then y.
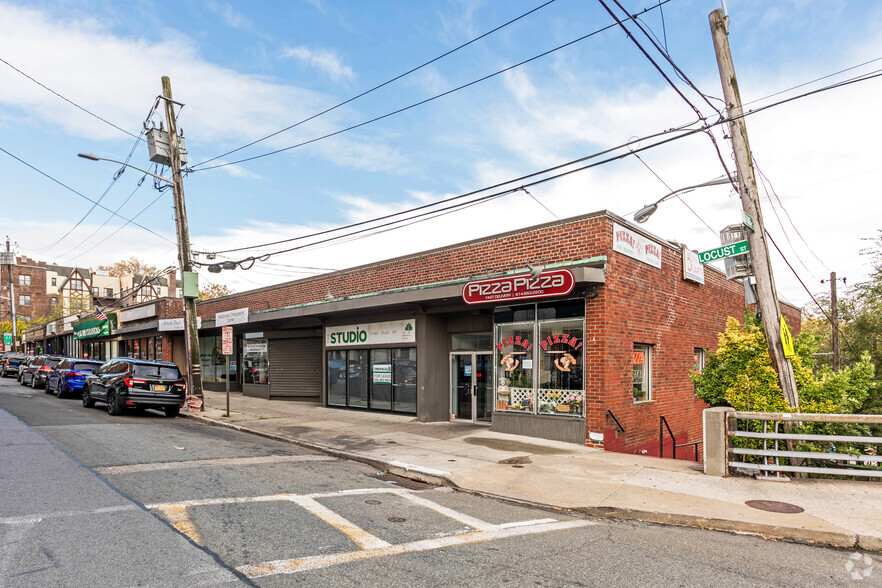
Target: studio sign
{"type": "Point", "coordinates": [555, 282]}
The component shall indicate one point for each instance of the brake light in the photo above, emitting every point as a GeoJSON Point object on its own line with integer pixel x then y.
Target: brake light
{"type": "Point", "coordinates": [75, 374]}
{"type": "Point", "coordinates": [45, 368]}
{"type": "Point", "coordinates": [130, 382]}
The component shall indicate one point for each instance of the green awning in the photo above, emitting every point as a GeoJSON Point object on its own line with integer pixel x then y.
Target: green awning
{"type": "Point", "coordinates": [93, 327]}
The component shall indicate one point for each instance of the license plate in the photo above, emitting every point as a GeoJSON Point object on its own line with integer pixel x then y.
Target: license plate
{"type": "Point", "coordinates": [160, 388]}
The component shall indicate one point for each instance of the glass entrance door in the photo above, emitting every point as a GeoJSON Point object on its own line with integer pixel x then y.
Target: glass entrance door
{"type": "Point", "coordinates": [471, 396]}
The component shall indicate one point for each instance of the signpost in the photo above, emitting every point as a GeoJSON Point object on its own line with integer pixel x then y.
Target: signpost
{"type": "Point", "coordinates": [731, 250]}
{"type": "Point", "coordinates": [227, 350]}
{"type": "Point", "coordinates": [7, 339]}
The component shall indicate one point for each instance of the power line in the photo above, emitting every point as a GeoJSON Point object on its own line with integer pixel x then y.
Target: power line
{"type": "Point", "coordinates": [414, 105]}
{"type": "Point", "coordinates": [377, 87]}
{"type": "Point", "coordinates": [81, 195]}
{"type": "Point", "coordinates": [674, 192]}
{"type": "Point", "coordinates": [458, 197]}
{"type": "Point", "coordinates": [812, 296]}
{"type": "Point", "coordinates": [485, 198]}
{"type": "Point", "coordinates": [69, 101]}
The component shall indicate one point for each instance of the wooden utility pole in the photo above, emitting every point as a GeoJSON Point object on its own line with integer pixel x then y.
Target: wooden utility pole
{"type": "Point", "coordinates": [191, 333]}
{"type": "Point", "coordinates": [834, 318]}
{"type": "Point", "coordinates": [767, 295]}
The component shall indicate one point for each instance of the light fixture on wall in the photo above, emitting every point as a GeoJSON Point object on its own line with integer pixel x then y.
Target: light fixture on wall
{"type": "Point", "coordinates": [535, 271]}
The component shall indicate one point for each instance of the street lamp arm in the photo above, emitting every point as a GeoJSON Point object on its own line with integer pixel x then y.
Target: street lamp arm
{"type": "Point", "coordinates": [91, 157]}
{"type": "Point", "coordinates": [644, 213]}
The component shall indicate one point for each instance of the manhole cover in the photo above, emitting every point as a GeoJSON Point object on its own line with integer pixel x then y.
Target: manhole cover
{"type": "Point", "coordinates": [396, 519]}
{"type": "Point", "coordinates": [372, 501]}
{"type": "Point", "coordinates": [774, 506]}
{"type": "Point", "coordinates": [404, 482]}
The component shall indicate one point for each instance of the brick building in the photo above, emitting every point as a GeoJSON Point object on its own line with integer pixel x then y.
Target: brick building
{"type": "Point", "coordinates": [582, 330]}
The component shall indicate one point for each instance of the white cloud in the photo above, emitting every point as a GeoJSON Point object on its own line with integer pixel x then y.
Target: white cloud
{"type": "Point", "coordinates": [232, 18]}
{"type": "Point", "coordinates": [324, 60]}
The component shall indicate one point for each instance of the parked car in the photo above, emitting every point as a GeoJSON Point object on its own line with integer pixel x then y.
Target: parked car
{"type": "Point", "coordinates": [11, 361]}
{"type": "Point", "coordinates": [70, 375]}
{"type": "Point", "coordinates": [35, 372]}
{"type": "Point", "coordinates": [124, 383]}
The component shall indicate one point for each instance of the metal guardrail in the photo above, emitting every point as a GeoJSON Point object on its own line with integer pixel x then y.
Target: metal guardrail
{"type": "Point", "coordinates": [869, 466]}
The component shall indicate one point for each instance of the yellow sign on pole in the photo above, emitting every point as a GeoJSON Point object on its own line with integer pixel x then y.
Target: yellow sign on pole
{"type": "Point", "coordinates": [786, 340]}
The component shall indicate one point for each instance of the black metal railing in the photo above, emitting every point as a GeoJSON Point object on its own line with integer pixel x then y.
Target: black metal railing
{"type": "Point", "coordinates": [662, 425]}
{"type": "Point", "coordinates": [613, 417]}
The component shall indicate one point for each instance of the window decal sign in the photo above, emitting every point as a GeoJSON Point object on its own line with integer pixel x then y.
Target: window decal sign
{"type": "Point", "coordinates": [560, 338]}
{"type": "Point", "coordinates": [554, 282]}
{"type": "Point", "coordinates": [564, 362]}
{"type": "Point", "coordinates": [522, 342]}
{"type": "Point", "coordinates": [509, 362]}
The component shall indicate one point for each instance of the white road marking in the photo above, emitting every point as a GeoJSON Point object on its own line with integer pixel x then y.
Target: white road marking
{"type": "Point", "coordinates": [449, 512]}
{"type": "Point", "coordinates": [290, 566]}
{"type": "Point", "coordinates": [361, 537]}
{"type": "Point", "coordinates": [198, 463]}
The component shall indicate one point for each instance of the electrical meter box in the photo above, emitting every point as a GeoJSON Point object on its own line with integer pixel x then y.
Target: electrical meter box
{"type": "Point", "coordinates": [191, 284]}
{"type": "Point", "coordinates": [157, 146]}
{"type": "Point", "coordinates": [739, 266]}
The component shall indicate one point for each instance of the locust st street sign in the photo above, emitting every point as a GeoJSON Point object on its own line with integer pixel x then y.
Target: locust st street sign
{"type": "Point", "coordinates": [737, 248]}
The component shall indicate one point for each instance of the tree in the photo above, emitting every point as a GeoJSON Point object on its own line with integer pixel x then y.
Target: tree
{"type": "Point", "coordinates": [740, 374]}
{"type": "Point", "coordinates": [215, 291]}
{"type": "Point", "coordinates": [132, 265]}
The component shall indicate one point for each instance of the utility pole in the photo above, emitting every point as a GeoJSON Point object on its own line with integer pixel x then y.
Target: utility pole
{"type": "Point", "coordinates": [767, 296]}
{"type": "Point", "coordinates": [191, 333]}
{"type": "Point", "coordinates": [12, 302]}
{"type": "Point", "coordinates": [834, 318]}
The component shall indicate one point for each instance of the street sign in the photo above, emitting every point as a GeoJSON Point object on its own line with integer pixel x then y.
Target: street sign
{"type": "Point", "coordinates": [7, 338]}
{"type": "Point", "coordinates": [787, 340]}
{"type": "Point", "coordinates": [748, 222]}
{"type": "Point", "coordinates": [227, 340]}
{"type": "Point", "coordinates": [731, 250]}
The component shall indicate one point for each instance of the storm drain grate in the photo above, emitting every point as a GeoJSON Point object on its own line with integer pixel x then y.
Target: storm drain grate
{"type": "Point", "coordinates": [774, 506]}
{"type": "Point", "coordinates": [403, 482]}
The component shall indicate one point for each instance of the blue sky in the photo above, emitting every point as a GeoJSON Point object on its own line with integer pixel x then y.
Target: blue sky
{"type": "Point", "coordinates": [248, 69]}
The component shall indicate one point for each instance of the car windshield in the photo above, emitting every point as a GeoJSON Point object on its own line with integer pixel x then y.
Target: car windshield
{"type": "Point", "coordinates": [156, 371]}
{"type": "Point", "coordinates": [81, 366]}
{"type": "Point", "coordinates": [52, 362]}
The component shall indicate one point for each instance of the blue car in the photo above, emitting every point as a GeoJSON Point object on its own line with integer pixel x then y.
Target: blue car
{"type": "Point", "coordinates": [11, 361]}
{"type": "Point", "coordinates": [68, 376]}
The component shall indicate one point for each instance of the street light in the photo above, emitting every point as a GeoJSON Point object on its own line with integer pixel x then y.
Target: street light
{"type": "Point", "coordinates": [647, 211]}
{"type": "Point", "coordinates": [92, 157]}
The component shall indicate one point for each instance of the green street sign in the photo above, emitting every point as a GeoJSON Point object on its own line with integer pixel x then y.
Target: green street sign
{"type": "Point", "coordinates": [737, 248]}
{"type": "Point", "coordinates": [7, 338]}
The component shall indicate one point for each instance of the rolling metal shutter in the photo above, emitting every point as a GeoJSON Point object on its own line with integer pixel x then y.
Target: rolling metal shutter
{"type": "Point", "coordinates": [295, 368]}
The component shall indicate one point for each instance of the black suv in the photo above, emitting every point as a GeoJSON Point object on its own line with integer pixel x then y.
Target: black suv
{"type": "Point", "coordinates": [34, 374]}
{"type": "Point", "coordinates": [124, 382]}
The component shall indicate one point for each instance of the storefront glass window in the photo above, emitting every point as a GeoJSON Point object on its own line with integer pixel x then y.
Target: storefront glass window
{"type": "Point", "coordinates": [404, 366]}
{"type": "Point", "coordinates": [471, 341]}
{"type": "Point", "coordinates": [337, 378]}
{"type": "Point", "coordinates": [255, 360]}
{"type": "Point", "coordinates": [560, 367]}
{"type": "Point", "coordinates": [514, 367]}
{"type": "Point", "coordinates": [378, 379]}
{"type": "Point", "coordinates": [540, 362]}
{"type": "Point", "coordinates": [641, 361]}
{"type": "Point", "coordinates": [381, 379]}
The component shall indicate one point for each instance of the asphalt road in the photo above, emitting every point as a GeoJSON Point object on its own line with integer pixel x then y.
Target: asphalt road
{"type": "Point", "coordinates": [90, 499]}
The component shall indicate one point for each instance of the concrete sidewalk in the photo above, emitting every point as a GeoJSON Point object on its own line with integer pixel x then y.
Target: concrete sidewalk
{"type": "Point", "coordinates": [471, 457]}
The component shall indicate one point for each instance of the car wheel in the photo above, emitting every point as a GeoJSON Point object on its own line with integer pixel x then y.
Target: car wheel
{"type": "Point", "coordinates": [113, 407]}
{"type": "Point", "coordinates": [21, 380]}
{"type": "Point", "coordinates": [59, 390]}
{"type": "Point", "coordinates": [88, 402]}
{"type": "Point", "coordinates": [171, 411]}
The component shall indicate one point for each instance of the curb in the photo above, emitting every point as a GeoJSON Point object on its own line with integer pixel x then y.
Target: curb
{"type": "Point", "coordinates": [774, 532]}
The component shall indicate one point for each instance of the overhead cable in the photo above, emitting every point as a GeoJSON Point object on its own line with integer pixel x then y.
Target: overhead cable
{"type": "Point", "coordinates": [377, 87]}
{"type": "Point", "coordinates": [411, 106]}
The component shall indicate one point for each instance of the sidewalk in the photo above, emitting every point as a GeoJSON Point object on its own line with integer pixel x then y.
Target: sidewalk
{"type": "Point", "coordinates": [468, 456]}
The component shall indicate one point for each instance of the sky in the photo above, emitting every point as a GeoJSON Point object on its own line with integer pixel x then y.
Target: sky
{"type": "Point", "coordinates": [83, 76]}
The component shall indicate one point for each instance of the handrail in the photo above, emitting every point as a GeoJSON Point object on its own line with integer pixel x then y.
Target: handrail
{"type": "Point", "coordinates": [661, 440]}
{"type": "Point", "coordinates": [618, 424]}
{"type": "Point", "coordinates": [661, 437]}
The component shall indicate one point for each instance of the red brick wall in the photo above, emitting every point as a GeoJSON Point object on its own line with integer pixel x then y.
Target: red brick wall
{"type": "Point", "coordinates": [40, 301]}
